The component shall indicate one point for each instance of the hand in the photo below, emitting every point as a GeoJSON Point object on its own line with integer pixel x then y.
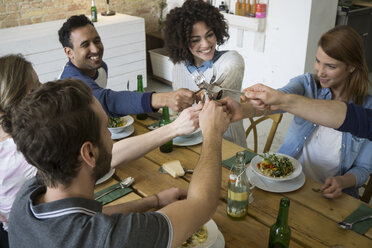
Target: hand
{"type": "Point", "coordinates": [180, 99]}
{"type": "Point", "coordinates": [332, 187]}
{"type": "Point", "coordinates": [171, 195]}
{"type": "Point", "coordinates": [213, 119]}
{"type": "Point", "coordinates": [233, 107]}
{"type": "Point", "coordinates": [188, 121]}
{"type": "Point", "coordinates": [176, 100]}
{"type": "Point", "coordinates": [3, 219]}
{"type": "Point", "coordinates": [263, 97]}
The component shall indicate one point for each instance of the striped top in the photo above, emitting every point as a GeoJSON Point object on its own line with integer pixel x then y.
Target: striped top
{"type": "Point", "coordinates": [14, 171]}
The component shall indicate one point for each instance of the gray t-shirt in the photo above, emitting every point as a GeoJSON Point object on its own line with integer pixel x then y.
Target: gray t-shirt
{"type": "Point", "coordinates": [79, 222]}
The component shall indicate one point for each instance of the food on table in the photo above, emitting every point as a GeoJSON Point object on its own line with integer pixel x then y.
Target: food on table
{"type": "Point", "coordinates": [275, 166]}
{"type": "Point", "coordinates": [116, 122]}
{"type": "Point", "coordinates": [174, 168]}
{"type": "Point", "coordinates": [196, 239]}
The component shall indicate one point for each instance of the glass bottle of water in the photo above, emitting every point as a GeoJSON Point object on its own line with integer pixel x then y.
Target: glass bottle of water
{"type": "Point", "coordinates": [238, 189]}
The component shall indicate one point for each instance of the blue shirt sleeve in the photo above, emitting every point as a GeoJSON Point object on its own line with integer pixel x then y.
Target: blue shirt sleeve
{"type": "Point", "coordinates": [115, 103]}
{"type": "Point", "coordinates": [358, 121]}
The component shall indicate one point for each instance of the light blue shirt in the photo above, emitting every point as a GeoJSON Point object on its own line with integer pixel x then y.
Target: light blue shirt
{"type": "Point", "coordinates": [206, 64]}
{"type": "Point", "coordinates": [356, 153]}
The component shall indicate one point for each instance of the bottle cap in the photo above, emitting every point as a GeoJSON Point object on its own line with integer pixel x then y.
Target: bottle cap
{"type": "Point", "coordinates": [139, 76]}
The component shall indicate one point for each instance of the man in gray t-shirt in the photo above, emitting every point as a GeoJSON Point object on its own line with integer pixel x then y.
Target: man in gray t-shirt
{"type": "Point", "coordinates": [62, 130]}
{"type": "Point", "coordinates": [79, 222]}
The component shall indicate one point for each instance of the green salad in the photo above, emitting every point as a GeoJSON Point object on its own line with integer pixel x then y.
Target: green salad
{"type": "Point", "coordinates": [116, 122]}
{"type": "Point", "coordinates": [275, 166]}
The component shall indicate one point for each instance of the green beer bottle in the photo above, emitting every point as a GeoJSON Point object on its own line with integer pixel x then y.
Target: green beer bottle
{"type": "Point", "coordinates": [93, 11]}
{"type": "Point", "coordinates": [142, 116]}
{"type": "Point", "coordinates": [167, 147]}
{"type": "Point", "coordinates": [280, 232]}
{"type": "Point", "coordinates": [238, 189]}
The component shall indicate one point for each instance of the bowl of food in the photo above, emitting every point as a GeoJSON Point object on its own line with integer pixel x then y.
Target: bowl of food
{"type": "Point", "coordinates": [276, 166]}
{"type": "Point", "coordinates": [117, 125]}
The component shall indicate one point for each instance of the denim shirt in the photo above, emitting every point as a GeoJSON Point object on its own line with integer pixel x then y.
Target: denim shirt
{"type": "Point", "coordinates": [356, 153]}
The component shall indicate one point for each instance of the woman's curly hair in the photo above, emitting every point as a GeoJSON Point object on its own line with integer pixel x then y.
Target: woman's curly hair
{"type": "Point", "coordinates": [180, 21]}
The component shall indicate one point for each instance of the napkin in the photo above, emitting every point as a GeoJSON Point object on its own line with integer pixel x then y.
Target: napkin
{"type": "Point", "coordinates": [116, 194]}
{"type": "Point", "coordinates": [228, 163]}
{"type": "Point", "coordinates": [362, 211]}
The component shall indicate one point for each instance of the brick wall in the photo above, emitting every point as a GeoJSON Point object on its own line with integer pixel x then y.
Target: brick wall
{"type": "Point", "coordinates": [23, 12]}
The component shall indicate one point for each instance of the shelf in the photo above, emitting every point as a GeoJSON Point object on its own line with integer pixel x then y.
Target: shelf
{"type": "Point", "coordinates": [246, 23]}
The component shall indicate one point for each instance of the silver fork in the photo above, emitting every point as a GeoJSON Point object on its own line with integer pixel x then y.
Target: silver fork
{"type": "Point", "coordinates": [349, 226]}
{"type": "Point", "coordinates": [216, 88]}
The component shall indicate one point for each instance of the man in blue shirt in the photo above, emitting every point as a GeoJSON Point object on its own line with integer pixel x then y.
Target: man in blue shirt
{"type": "Point", "coordinates": [83, 46]}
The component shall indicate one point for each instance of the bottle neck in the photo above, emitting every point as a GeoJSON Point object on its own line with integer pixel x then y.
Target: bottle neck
{"type": "Point", "coordinates": [139, 85]}
{"type": "Point", "coordinates": [239, 162]}
{"type": "Point", "coordinates": [282, 219]}
{"type": "Point", "coordinates": [166, 114]}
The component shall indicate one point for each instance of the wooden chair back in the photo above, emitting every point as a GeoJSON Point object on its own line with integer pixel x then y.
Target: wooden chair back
{"type": "Point", "coordinates": [276, 118]}
{"type": "Point", "coordinates": [367, 194]}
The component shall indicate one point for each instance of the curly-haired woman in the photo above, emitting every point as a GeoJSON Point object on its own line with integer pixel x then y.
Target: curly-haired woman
{"type": "Point", "coordinates": [191, 34]}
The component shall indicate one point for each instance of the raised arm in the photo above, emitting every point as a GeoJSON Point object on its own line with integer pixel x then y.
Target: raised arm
{"type": "Point", "coordinates": [203, 193]}
{"type": "Point", "coordinates": [323, 112]}
{"type": "Point", "coordinates": [176, 100]}
{"type": "Point", "coordinates": [135, 147]}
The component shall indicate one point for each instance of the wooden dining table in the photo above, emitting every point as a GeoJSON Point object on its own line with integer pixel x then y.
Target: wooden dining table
{"type": "Point", "coordinates": [312, 218]}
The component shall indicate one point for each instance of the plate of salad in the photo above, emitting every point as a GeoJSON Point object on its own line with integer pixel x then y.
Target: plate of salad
{"type": "Point", "coordinates": [276, 166]}
{"type": "Point", "coordinates": [117, 125]}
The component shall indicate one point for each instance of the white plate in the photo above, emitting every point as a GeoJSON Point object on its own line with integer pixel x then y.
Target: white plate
{"type": "Point", "coordinates": [220, 242]}
{"type": "Point", "coordinates": [212, 235]}
{"type": "Point", "coordinates": [188, 141]}
{"type": "Point", "coordinates": [191, 134]}
{"type": "Point", "coordinates": [275, 186]}
{"type": "Point", "coordinates": [106, 177]}
{"type": "Point", "coordinates": [296, 165]}
{"type": "Point", "coordinates": [125, 133]}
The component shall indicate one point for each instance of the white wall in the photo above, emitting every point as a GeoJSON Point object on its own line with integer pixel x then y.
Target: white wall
{"type": "Point", "coordinates": [287, 46]}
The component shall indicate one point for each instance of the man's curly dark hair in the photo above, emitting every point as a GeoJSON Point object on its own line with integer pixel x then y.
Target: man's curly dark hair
{"type": "Point", "coordinates": [70, 25]}
{"type": "Point", "coordinates": [179, 23]}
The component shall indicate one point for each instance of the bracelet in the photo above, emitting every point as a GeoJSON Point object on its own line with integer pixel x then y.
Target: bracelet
{"type": "Point", "coordinates": [157, 200]}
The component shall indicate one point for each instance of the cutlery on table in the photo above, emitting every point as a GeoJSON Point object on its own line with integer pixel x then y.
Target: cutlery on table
{"type": "Point", "coordinates": [123, 184]}
{"type": "Point", "coordinates": [349, 226]}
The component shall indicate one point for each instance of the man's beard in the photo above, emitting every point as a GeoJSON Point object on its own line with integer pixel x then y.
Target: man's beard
{"type": "Point", "coordinates": [103, 162]}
